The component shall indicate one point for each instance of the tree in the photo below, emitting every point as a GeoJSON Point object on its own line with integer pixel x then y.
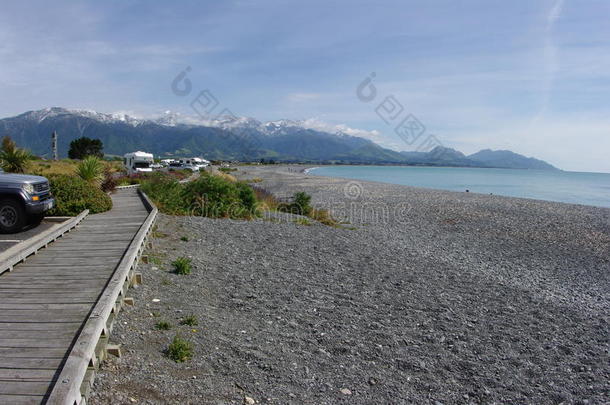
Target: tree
{"type": "Point", "coordinates": [12, 158]}
{"type": "Point", "coordinates": [83, 147]}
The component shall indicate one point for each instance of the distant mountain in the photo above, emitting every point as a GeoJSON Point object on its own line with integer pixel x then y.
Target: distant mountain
{"type": "Point", "coordinates": [442, 156]}
{"type": "Point", "coordinates": [229, 138]}
{"type": "Point", "coordinates": [508, 159]}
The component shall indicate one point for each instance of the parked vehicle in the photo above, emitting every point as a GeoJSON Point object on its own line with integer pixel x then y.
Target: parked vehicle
{"type": "Point", "coordinates": [194, 164]}
{"type": "Point", "coordinates": [138, 162]}
{"type": "Point", "coordinates": [24, 200]}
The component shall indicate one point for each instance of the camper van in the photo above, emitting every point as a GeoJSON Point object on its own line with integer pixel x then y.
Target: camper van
{"type": "Point", "coordinates": [194, 164]}
{"type": "Point", "coordinates": [138, 162]}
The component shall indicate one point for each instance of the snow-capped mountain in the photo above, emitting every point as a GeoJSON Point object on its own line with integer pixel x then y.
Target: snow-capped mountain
{"type": "Point", "coordinates": [232, 138]}
{"type": "Point", "coordinates": [174, 134]}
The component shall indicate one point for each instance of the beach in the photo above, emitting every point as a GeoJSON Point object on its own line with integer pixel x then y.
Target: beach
{"type": "Point", "coordinates": [418, 296]}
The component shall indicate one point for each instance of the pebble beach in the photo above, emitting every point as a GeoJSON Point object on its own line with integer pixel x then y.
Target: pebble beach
{"type": "Point", "coordinates": [418, 296]}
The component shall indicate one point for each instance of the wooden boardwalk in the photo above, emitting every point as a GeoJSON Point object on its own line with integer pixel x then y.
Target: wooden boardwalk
{"type": "Point", "coordinates": [46, 300]}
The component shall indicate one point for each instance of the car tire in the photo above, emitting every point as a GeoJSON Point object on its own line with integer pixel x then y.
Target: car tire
{"type": "Point", "coordinates": [12, 216]}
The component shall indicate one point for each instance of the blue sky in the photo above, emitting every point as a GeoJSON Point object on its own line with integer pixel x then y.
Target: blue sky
{"type": "Point", "coordinates": [530, 76]}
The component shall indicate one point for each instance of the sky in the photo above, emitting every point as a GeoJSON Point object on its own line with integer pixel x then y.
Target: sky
{"type": "Point", "coordinates": [529, 76]}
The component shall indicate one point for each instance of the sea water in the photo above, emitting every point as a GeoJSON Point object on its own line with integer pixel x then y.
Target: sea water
{"type": "Point", "coordinates": [551, 185]}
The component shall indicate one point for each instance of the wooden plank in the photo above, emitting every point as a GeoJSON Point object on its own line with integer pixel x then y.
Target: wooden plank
{"type": "Point", "coordinates": [21, 399]}
{"type": "Point", "coordinates": [38, 334]}
{"type": "Point", "coordinates": [24, 387]}
{"type": "Point", "coordinates": [9, 374]}
{"type": "Point", "coordinates": [50, 300]}
{"type": "Point", "coordinates": [28, 363]}
{"type": "Point", "coordinates": [51, 284]}
{"type": "Point", "coordinates": [58, 343]}
{"type": "Point", "coordinates": [33, 352]}
{"type": "Point", "coordinates": [44, 307]}
{"type": "Point", "coordinates": [39, 326]}
{"type": "Point", "coordinates": [41, 317]}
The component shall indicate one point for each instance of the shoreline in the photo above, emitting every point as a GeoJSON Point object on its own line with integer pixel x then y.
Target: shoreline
{"type": "Point", "coordinates": [456, 298]}
{"type": "Point", "coordinates": [308, 171]}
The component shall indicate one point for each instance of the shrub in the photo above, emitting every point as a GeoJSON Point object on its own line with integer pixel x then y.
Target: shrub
{"type": "Point", "coordinates": [109, 183]}
{"type": "Point", "coordinates": [73, 195]}
{"type": "Point", "coordinates": [217, 197]}
{"type": "Point", "coordinates": [163, 325]}
{"type": "Point", "coordinates": [190, 320]}
{"type": "Point", "coordinates": [180, 349]}
{"type": "Point", "coordinates": [182, 265]}
{"type": "Point", "coordinates": [184, 238]}
{"type": "Point", "coordinates": [166, 192]}
{"type": "Point", "coordinates": [300, 205]}
{"type": "Point", "coordinates": [12, 158]}
{"type": "Point", "coordinates": [91, 170]}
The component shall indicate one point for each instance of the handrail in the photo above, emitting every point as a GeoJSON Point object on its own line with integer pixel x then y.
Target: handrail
{"type": "Point", "coordinates": [67, 388]}
{"type": "Point", "coordinates": [16, 254]}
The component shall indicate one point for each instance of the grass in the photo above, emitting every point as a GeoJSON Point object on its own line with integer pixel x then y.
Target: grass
{"type": "Point", "coordinates": [182, 266]}
{"type": "Point", "coordinates": [163, 325]}
{"type": "Point", "coordinates": [180, 350]}
{"type": "Point", "coordinates": [302, 221]}
{"type": "Point", "coordinates": [254, 180]}
{"type": "Point", "coordinates": [190, 320]}
{"type": "Point", "coordinates": [227, 169]}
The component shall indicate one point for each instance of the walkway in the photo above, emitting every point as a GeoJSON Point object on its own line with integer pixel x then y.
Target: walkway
{"type": "Point", "coordinates": [46, 300]}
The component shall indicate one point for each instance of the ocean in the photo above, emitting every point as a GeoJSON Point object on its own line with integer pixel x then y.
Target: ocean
{"type": "Point", "coordinates": [561, 186]}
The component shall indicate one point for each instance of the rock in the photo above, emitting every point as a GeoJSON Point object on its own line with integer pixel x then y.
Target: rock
{"type": "Point", "coordinates": [156, 300]}
{"type": "Point", "coordinates": [372, 381]}
{"type": "Point", "coordinates": [249, 401]}
{"type": "Point", "coordinates": [346, 391]}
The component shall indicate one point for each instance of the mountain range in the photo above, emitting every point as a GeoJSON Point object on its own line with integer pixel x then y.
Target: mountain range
{"type": "Point", "coordinates": [231, 138]}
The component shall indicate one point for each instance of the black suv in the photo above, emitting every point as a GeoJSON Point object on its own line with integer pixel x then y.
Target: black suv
{"type": "Point", "coordinates": [23, 200]}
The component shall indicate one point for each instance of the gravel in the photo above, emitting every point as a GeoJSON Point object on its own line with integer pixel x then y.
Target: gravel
{"type": "Point", "coordinates": [420, 296]}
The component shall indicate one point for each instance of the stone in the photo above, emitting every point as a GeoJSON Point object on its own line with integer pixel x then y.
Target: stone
{"type": "Point", "coordinates": [346, 391]}
{"type": "Point", "coordinates": [249, 401]}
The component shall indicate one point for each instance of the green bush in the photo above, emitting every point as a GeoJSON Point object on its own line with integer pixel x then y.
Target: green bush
{"type": "Point", "coordinates": [209, 196]}
{"type": "Point", "coordinates": [300, 205]}
{"type": "Point", "coordinates": [180, 349]}
{"type": "Point", "coordinates": [216, 197]}
{"type": "Point", "coordinates": [182, 265]}
{"type": "Point", "coordinates": [73, 195]}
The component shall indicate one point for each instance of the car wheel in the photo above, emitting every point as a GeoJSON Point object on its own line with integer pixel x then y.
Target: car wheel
{"type": "Point", "coordinates": [12, 216]}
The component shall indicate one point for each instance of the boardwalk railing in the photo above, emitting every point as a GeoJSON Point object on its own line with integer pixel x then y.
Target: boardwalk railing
{"type": "Point", "coordinates": [18, 253]}
{"type": "Point", "coordinates": [78, 372]}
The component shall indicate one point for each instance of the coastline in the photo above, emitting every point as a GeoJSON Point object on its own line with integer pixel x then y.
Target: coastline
{"type": "Point", "coordinates": [420, 296]}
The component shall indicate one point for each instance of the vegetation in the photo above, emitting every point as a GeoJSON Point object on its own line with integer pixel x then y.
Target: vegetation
{"type": "Point", "coordinates": [184, 238]}
{"type": "Point", "coordinates": [182, 266]}
{"type": "Point", "coordinates": [209, 196]}
{"type": "Point", "coordinates": [180, 349]}
{"type": "Point", "coordinates": [73, 195]}
{"type": "Point", "coordinates": [300, 205]}
{"type": "Point", "coordinates": [163, 325]}
{"type": "Point", "coordinates": [302, 221]}
{"type": "Point", "coordinates": [190, 320]}
{"type": "Point", "coordinates": [12, 158]}
{"type": "Point", "coordinates": [82, 147]}
{"type": "Point", "coordinates": [91, 170]}
{"type": "Point", "coordinates": [227, 169]}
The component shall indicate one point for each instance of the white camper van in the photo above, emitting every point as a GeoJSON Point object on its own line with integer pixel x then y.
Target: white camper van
{"type": "Point", "coordinates": [138, 162]}
{"type": "Point", "coordinates": [194, 164]}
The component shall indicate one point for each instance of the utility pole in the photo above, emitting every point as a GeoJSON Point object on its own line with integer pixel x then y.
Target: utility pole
{"type": "Point", "coordinates": [54, 145]}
